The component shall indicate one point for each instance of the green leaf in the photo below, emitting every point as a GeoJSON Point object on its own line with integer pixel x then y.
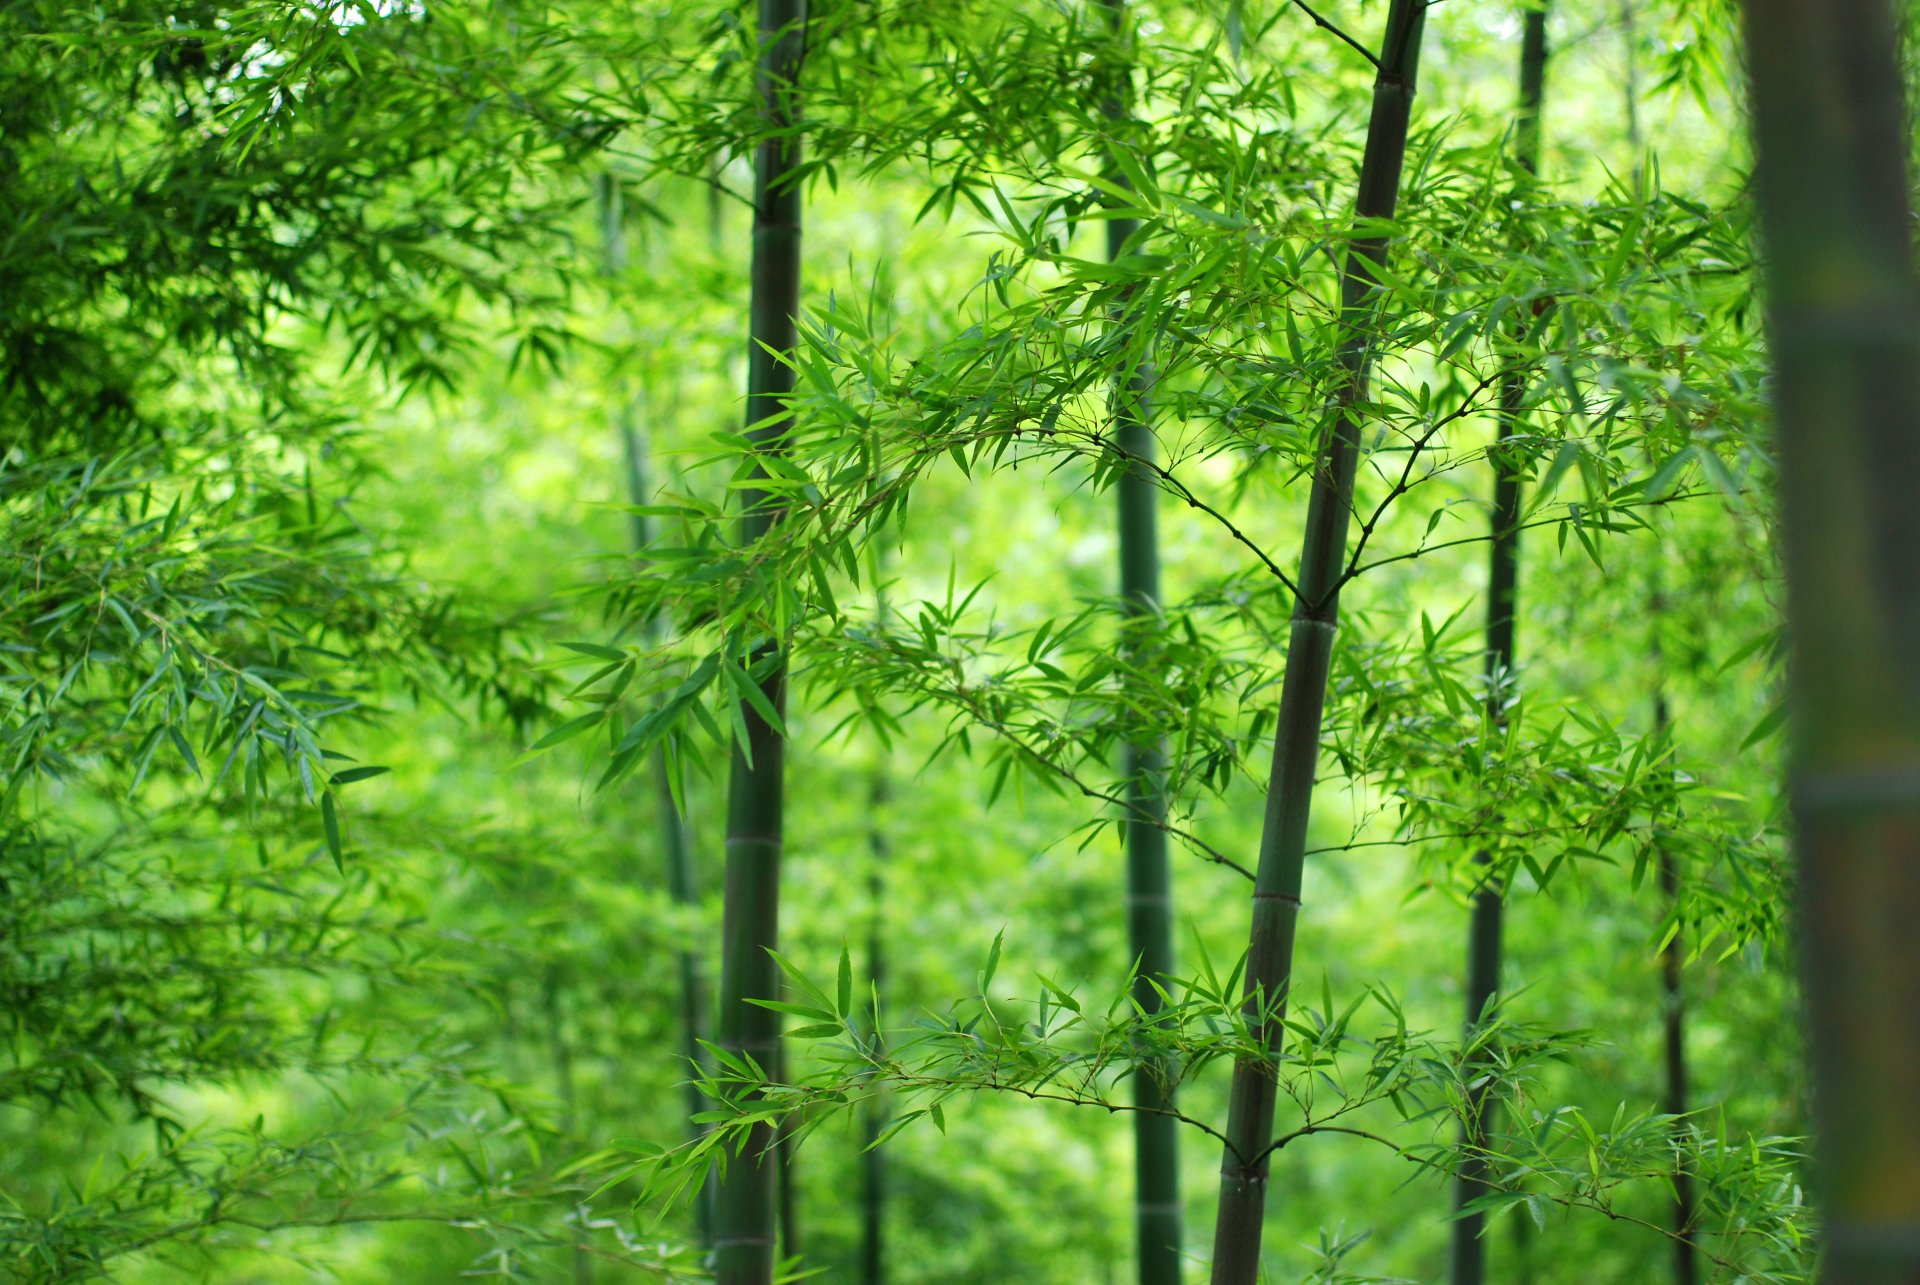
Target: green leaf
{"type": "Point", "coordinates": [1773, 721]}
{"type": "Point", "coordinates": [993, 962]}
{"type": "Point", "coordinates": [820, 1030]}
{"type": "Point", "coordinates": [596, 650]}
{"type": "Point", "coordinates": [567, 731]}
{"type": "Point", "coordinates": [330, 820]}
{"type": "Point", "coordinates": [352, 774]}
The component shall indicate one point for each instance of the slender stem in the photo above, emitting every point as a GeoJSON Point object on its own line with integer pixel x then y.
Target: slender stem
{"type": "Point", "coordinates": [675, 844]}
{"type": "Point", "coordinates": [1830, 129]}
{"type": "Point", "coordinates": [1303, 691]}
{"type": "Point", "coordinates": [873, 1263]}
{"type": "Point", "coordinates": [695, 1011]}
{"type": "Point", "coordinates": [1686, 1256]}
{"type": "Point", "coordinates": [1156, 1140]}
{"type": "Point", "coordinates": [1630, 39]}
{"type": "Point", "coordinates": [1342, 36]}
{"type": "Point", "coordinates": [745, 1201]}
{"type": "Point", "coordinates": [1468, 1259]}
{"type": "Point", "coordinates": [1686, 1266]}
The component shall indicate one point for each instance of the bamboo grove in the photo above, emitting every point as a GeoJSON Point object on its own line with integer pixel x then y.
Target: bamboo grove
{"type": "Point", "coordinates": [1002, 640]}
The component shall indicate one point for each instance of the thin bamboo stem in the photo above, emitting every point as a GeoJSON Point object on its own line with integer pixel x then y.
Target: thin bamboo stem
{"type": "Point", "coordinates": [1686, 1254]}
{"type": "Point", "coordinates": [675, 843]}
{"type": "Point", "coordinates": [1157, 1212]}
{"type": "Point", "coordinates": [873, 1174]}
{"type": "Point", "coordinates": [1673, 1014]}
{"type": "Point", "coordinates": [745, 1201]}
{"type": "Point", "coordinates": [1468, 1259]}
{"type": "Point", "coordinates": [1303, 690]}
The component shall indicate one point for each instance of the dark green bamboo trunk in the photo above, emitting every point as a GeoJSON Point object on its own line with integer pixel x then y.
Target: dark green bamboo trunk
{"type": "Point", "coordinates": [695, 1010]}
{"type": "Point", "coordinates": [1468, 1262]}
{"type": "Point", "coordinates": [675, 845]}
{"type": "Point", "coordinates": [1844, 327]}
{"type": "Point", "coordinates": [1686, 1266]}
{"type": "Point", "coordinates": [873, 1171]}
{"type": "Point", "coordinates": [1149, 886]}
{"type": "Point", "coordinates": [1156, 1150]}
{"type": "Point", "coordinates": [1303, 689]}
{"type": "Point", "coordinates": [745, 1203]}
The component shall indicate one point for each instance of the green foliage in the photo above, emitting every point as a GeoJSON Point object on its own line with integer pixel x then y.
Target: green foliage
{"type": "Point", "coordinates": [335, 936]}
{"type": "Point", "coordinates": [1389, 1086]}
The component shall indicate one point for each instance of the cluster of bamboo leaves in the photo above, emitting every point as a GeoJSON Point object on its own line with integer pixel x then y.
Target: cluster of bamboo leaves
{"type": "Point", "coordinates": [228, 227]}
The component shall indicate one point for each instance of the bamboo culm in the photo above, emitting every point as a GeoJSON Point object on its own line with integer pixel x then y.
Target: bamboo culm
{"type": "Point", "coordinates": [873, 1173]}
{"type": "Point", "coordinates": [1469, 1252]}
{"type": "Point", "coordinates": [744, 1201]}
{"type": "Point", "coordinates": [1673, 1019]}
{"type": "Point", "coordinates": [1686, 1256]}
{"type": "Point", "coordinates": [1303, 689]}
{"type": "Point", "coordinates": [1843, 323]}
{"type": "Point", "coordinates": [675, 843]}
{"type": "Point", "coordinates": [1156, 1151]}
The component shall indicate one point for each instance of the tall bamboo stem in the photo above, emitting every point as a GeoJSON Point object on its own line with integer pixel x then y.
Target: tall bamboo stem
{"type": "Point", "coordinates": [873, 1175]}
{"type": "Point", "coordinates": [1303, 689]}
{"type": "Point", "coordinates": [1686, 1265]}
{"type": "Point", "coordinates": [1673, 1014]}
{"type": "Point", "coordinates": [1468, 1264]}
{"type": "Point", "coordinates": [675, 844]}
{"type": "Point", "coordinates": [1844, 327]}
{"type": "Point", "coordinates": [744, 1204]}
{"type": "Point", "coordinates": [1156, 1143]}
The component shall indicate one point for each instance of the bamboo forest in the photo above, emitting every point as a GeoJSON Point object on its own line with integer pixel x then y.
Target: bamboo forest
{"type": "Point", "coordinates": [904, 643]}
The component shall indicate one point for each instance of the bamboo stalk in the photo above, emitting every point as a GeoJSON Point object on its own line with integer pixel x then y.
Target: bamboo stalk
{"type": "Point", "coordinates": [1673, 1015]}
{"type": "Point", "coordinates": [1468, 1261]}
{"type": "Point", "coordinates": [1843, 323]}
{"type": "Point", "coordinates": [876, 1112]}
{"type": "Point", "coordinates": [676, 847]}
{"type": "Point", "coordinates": [1156, 1149]}
{"type": "Point", "coordinates": [1686, 1261]}
{"type": "Point", "coordinates": [1303, 690]}
{"type": "Point", "coordinates": [873, 1173]}
{"type": "Point", "coordinates": [744, 1203]}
